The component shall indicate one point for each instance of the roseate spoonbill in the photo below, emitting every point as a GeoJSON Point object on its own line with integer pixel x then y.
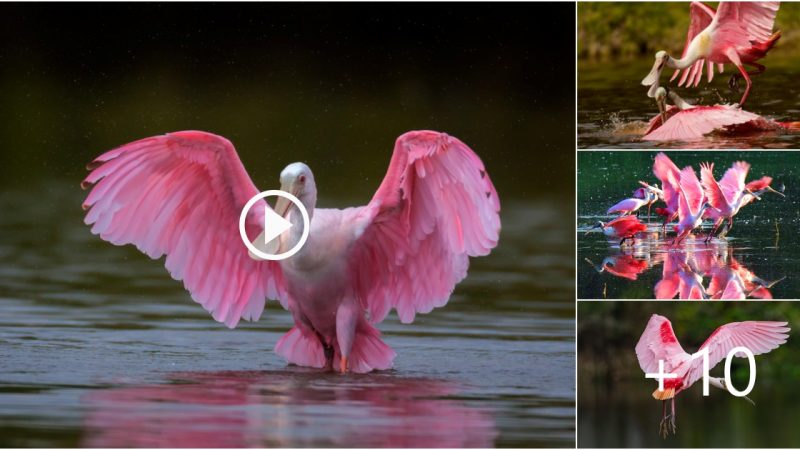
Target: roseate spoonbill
{"type": "Point", "coordinates": [625, 227]}
{"type": "Point", "coordinates": [756, 188]}
{"type": "Point", "coordinates": [686, 122]}
{"type": "Point", "coordinates": [727, 196]}
{"type": "Point", "coordinates": [658, 343]}
{"type": "Point", "coordinates": [738, 33]}
{"type": "Point", "coordinates": [181, 194]}
{"type": "Point", "coordinates": [641, 197]}
{"type": "Point", "coordinates": [669, 175]}
{"type": "Point", "coordinates": [691, 204]}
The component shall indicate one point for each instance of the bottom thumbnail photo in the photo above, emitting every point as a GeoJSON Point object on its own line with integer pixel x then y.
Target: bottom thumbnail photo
{"type": "Point", "coordinates": [669, 374]}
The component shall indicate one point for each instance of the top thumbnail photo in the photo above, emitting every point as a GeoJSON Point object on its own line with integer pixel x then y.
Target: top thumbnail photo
{"type": "Point", "coordinates": [688, 75]}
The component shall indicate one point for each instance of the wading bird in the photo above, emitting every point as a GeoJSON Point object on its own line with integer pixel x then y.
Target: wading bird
{"type": "Point", "coordinates": [725, 197]}
{"type": "Point", "coordinates": [669, 175]}
{"type": "Point", "coordinates": [686, 122]}
{"type": "Point", "coordinates": [658, 343]}
{"type": "Point", "coordinates": [624, 228]}
{"type": "Point", "coordinates": [641, 197]}
{"type": "Point", "coordinates": [181, 194]}
{"type": "Point", "coordinates": [739, 33]}
{"type": "Point", "coordinates": [691, 204]}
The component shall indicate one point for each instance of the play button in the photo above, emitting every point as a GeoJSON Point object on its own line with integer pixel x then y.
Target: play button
{"type": "Point", "coordinates": [267, 243]}
{"type": "Point", "coordinates": [274, 225]}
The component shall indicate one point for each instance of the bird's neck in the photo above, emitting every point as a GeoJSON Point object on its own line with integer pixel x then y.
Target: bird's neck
{"type": "Point", "coordinates": [295, 217]}
{"type": "Point", "coordinates": [682, 63]}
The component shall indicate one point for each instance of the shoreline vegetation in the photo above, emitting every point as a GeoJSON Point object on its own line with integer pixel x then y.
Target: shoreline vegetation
{"type": "Point", "coordinates": [624, 31]}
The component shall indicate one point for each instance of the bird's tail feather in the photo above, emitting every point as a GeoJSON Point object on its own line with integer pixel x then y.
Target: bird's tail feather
{"type": "Point", "coordinates": [664, 395]}
{"type": "Point", "coordinates": [369, 352]}
{"type": "Point", "coordinates": [303, 349]}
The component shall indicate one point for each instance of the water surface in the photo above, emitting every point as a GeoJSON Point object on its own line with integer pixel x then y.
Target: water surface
{"type": "Point", "coordinates": [100, 347]}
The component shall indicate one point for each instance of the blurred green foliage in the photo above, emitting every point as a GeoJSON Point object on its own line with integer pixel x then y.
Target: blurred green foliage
{"type": "Point", "coordinates": [611, 30]}
{"type": "Point", "coordinates": [608, 333]}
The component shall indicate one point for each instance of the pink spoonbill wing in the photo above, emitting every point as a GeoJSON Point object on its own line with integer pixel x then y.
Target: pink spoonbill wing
{"type": "Point", "coordinates": [694, 123]}
{"type": "Point", "coordinates": [181, 195]}
{"type": "Point", "coordinates": [658, 343]}
{"type": "Point", "coordinates": [741, 24]}
{"type": "Point", "coordinates": [759, 337]}
{"type": "Point", "coordinates": [700, 17]}
{"type": "Point", "coordinates": [435, 208]}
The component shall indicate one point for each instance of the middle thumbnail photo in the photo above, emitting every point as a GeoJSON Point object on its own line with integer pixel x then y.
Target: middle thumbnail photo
{"type": "Point", "coordinates": [688, 225]}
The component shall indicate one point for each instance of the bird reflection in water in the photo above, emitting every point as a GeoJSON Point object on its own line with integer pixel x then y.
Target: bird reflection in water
{"type": "Point", "coordinates": [693, 270]}
{"type": "Point", "coordinates": [285, 409]}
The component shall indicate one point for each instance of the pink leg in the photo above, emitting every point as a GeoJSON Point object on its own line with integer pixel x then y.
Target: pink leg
{"type": "Point", "coordinates": [734, 57]}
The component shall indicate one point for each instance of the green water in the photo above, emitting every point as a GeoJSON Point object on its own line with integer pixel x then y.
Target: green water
{"type": "Point", "coordinates": [764, 239]}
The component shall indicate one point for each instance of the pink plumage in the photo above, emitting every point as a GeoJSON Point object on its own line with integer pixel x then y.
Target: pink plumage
{"type": "Point", "coordinates": [699, 121]}
{"type": "Point", "coordinates": [691, 203]}
{"type": "Point", "coordinates": [181, 195]}
{"type": "Point", "coordinates": [739, 33]}
{"type": "Point", "coordinates": [658, 342]}
{"type": "Point", "coordinates": [669, 175]}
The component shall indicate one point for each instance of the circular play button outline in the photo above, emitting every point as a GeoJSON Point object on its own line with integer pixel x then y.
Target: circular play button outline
{"type": "Point", "coordinates": [249, 205]}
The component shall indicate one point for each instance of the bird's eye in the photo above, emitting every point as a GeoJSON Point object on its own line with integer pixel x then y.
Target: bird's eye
{"type": "Point", "coordinates": [301, 178]}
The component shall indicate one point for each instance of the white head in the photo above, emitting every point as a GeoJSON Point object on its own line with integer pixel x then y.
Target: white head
{"type": "Point", "coordinates": [652, 78]}
{"type": "Point", "coordinates": [297, 180]}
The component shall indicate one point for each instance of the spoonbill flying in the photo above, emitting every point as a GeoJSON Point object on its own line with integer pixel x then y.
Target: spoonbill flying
{"type": "Point", "coordinates": [691, 204]}
{"type": "Point", "coordinates": [658, 343]}
{"type": "Point", "coordinates": [181, 194]}
{"type": "Point", "coordinates": [641, 197]}
{"type": "Point", "coordinates": [686, 122]}
{"type": "Point", "coordinates": [625, 227]}
{"type": "Point", "coordinates": [738, 33]}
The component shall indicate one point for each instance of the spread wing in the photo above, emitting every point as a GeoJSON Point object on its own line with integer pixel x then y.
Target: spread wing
{"type": "Point", "coordinates": [181, 195]}
{"type": "Point", "coordinates": [700, 17]}
{"type": "Point", "coordinates": [743, 24]}
{"type": "Point", "coordinates": [694, 123]}
{"type": "Point", "coordinates": [732, 183]}
{"type": "Point", "coordinates": [758, 337]}
{"type": "Point", "coordinates": [435, 208]}
{"type": "Point", "coordinates": [658, 342]}
{"type": "Point", "coordinates": [692, 196]}
{"type": "Point", "coordinates": [668, 173]}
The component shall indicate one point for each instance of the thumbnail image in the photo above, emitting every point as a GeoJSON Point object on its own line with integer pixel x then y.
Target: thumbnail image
{"type": "Point", "coordinates": [688, 75]}
{"type": "Point", "coordinates": [688, 225]}
{"type": "Point", "coordinates": [642, 381]}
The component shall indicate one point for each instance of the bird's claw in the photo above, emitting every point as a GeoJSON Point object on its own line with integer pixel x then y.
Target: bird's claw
{"type": "Point", "coordinates": [343, 364]}
{"type": "Point", "coordinates": [667, 425]}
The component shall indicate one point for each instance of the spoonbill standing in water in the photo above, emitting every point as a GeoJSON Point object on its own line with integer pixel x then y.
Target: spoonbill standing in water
{"type": "Point", "coordinates": [669, 175]}
{"type": "Point", "coordinates": [181, 195]}
{"type": "Point", "coordinates": [658, 343]}
{"type": "Point", "coordinates": [727, 196]}
{"type": "Point", "coordinates": [625, 227]}
{"type": "Point", "coordinates": [641, 197]}
{"type": "Point", "coordinates": [739, 33]}
{"type": "Point", "coordinates": [691, 204]}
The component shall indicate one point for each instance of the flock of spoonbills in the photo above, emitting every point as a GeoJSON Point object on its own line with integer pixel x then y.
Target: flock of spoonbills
{"type": "Point", "coordinates": [738, 33]}
{"type": "Point", "coordinates": [688, 199]}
